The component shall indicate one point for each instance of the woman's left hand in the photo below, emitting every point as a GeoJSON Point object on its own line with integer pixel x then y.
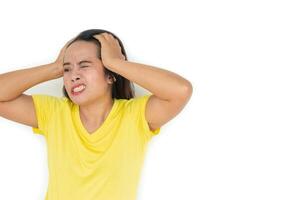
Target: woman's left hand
{"type": "Point", "coordinates": [110, 48]}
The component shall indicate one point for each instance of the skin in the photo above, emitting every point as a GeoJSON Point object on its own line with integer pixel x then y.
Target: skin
{"type": "Point", "coordinates": [95, 102]}
{"type": "Point", "coordinates": [171, 92]}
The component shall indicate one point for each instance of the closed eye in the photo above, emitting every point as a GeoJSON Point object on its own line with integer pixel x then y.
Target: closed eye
{"type": "Point", "coordinates": [66, 70]}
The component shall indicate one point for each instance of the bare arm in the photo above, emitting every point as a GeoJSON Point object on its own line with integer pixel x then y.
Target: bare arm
{"type": "Point", "coordinates": [14, 83]}
{"type": "Point", "coordinates": [171, 92]}
{"type": "Point", "coordinates": [19, 107]}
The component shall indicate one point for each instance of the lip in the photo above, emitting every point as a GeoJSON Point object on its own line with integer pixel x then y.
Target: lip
{"type": "Point", "coordinates": [76, 93]}
{"type": "Point", "coordinates": [74, 86]}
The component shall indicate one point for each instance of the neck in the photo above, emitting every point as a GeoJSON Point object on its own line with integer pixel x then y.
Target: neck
{"type": "Point", "coordinates": [96, 112]}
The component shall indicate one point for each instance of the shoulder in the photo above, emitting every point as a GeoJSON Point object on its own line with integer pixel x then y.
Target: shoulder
{"type": "Point", "coordinates": [137, 101]}
{"type": "Point", "coordinates": [50, 101]}
{"type": "Point", "coordinates": [136, 104]}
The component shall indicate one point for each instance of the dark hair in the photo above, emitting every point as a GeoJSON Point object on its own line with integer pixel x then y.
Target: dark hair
{"type": "Point", "coordinates": [122, 88]}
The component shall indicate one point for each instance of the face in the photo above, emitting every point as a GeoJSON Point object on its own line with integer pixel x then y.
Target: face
{"type": "Point", "coordinates": [90, 73]}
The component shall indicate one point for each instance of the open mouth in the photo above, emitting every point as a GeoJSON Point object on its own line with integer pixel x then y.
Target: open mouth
{"type": "Point", "coordinates": [78, 90]}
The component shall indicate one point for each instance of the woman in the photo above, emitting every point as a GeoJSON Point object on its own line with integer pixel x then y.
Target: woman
{"type": "Point", "coordinates": [97, 134]}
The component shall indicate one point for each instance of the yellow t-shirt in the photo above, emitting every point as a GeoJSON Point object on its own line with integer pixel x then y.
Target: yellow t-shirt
{"type": "Point", "coordinates": [104, 165]}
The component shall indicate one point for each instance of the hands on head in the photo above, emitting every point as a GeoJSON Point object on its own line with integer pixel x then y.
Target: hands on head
{"type": "Point", "coordinates": [110, 50]}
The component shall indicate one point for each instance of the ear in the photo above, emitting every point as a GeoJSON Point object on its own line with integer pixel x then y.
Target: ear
{"type": "Point", "coordinates": [111, 79]}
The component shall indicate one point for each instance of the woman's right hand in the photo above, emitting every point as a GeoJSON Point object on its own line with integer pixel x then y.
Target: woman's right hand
{"type": "Point", "coordinates": [58, 63]}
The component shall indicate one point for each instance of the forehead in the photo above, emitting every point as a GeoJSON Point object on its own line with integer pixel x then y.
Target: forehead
{"type": "Point", "coordinates": [81, 49]}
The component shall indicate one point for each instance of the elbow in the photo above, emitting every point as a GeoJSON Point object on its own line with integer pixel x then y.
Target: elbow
{"type": "Point", "coordinates": [186, 91]}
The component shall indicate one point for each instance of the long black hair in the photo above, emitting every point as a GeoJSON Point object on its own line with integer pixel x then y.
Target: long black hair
{"type": "Point", "coordinates": [122, 88]}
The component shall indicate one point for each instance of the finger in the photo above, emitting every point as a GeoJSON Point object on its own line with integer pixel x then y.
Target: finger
{"type": "Point", "coordinates": [67, 44]}
{"type": "Point", "coordinates": [110, 36]}
{"type": "Point", "coordinates": [100, 37]}
{"type": "Point", "coordinates": [106, 36]}
{"type": "Point", "coordinates": [113, 38]}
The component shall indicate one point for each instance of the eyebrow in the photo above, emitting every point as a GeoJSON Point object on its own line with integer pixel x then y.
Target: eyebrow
{"type": "Point", "coordinates": [83, 61]}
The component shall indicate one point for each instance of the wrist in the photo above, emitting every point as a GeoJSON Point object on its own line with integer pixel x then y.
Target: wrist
{"type": "Point", "coordinates": [113, 62]}
{"type": "Point", "coordinates": [56, 70]}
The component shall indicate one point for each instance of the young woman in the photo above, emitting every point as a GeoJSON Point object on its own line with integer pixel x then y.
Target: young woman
{"type": "Point", "coordinates": [98, 132]}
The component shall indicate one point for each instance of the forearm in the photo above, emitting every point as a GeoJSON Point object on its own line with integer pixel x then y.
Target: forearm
{"type": "Point", "coordinates": [163, 83]}
{"type": "Point", "coordinates": [14, 83]}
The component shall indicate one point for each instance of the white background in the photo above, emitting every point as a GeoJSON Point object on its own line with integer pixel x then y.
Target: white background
{"type": "Point", "coordinates": [237, 138]}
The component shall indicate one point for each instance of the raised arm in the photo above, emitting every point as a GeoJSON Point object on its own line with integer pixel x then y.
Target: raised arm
{"type": "Point", "coordinates": [171, 92]}
{"type": "Point", "coordinates": [19, 107]}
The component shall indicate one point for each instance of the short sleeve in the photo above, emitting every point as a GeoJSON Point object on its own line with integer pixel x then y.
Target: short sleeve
{"type": "Point", "coordinates": [45, 106]}
{"type": "Point", "coordinates": [139, 106]}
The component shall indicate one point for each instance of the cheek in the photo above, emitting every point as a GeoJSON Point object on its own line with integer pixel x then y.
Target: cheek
{"type": "Point", "coordinates": [65, 82]}
{"type": "Point", "coordinates": [94, 80]}
{"type": "Point", "coordinates": [98, 82]}
{"type": "Point", "coordinates": [97, 77]}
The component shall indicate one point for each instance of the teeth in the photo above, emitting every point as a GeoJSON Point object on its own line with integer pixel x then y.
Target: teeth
{"type": "Point", "coordinates": [78, 89]}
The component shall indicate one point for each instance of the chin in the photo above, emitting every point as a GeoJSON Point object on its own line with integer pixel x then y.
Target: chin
{"type": "Point", "coordinates": [79, 99]}
{"type": "Point", "coordinates": [79, 102]}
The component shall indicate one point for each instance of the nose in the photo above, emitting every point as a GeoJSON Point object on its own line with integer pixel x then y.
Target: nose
{"type": "Point", "coordinates": [75, 78]}
{"type": "Point", "coordinates": [75, 75]}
